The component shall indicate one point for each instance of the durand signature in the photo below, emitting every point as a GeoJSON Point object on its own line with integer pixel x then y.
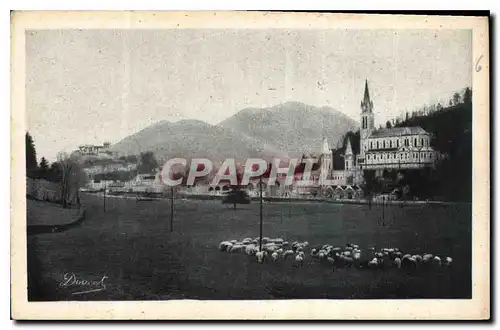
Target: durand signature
{"type": "Point", "coordinates": [82, 285]}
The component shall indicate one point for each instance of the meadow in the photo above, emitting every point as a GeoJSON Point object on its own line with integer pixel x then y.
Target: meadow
{"type": "Point", "coordinates": [132, 245]}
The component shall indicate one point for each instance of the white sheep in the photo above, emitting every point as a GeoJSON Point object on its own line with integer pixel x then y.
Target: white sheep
{"type": "Point", "coordinates": [448, 262]}
{"type": "Point", "coordinates": [330, 260]}
{"type": "Point", "coordinates": [251, 249]}
{"type": "Point", "coordinates": [418, 258]}
{"type": "Point", "coordinates": [225, 246]}
{"type": "Point", "coordinates": [373, 263]}
{"type": "Point", "coordinates": [275, 256]}
{"type": "Point", "coordinates": [314, 252]}
{"type": "Point", "coordinates": [397, 262]}
{"type": "Point", "coordinates": [233, 241]}
{"type": "Point", "coordinates": [261, 255]}
{"type": "Point", "coordinates": [427, 257]}
{"type": "Point", "coordinates": [436, 260]}
{"type": "Point", "coordinates": [300, 259]}
{"type": "Point", "coordinates": [237, 248]}
{"type": "Point", "coordinates": [356, 255]}
{"type": "Point", "coordinates": [288, 253]}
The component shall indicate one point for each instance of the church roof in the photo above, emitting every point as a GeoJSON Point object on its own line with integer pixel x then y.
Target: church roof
{"type": "Point", "coordinates": [348, 148]}
{"type": "Point", "coordinates": [397, 131]}
{"type": "Point", "coordinates": [366, 97]}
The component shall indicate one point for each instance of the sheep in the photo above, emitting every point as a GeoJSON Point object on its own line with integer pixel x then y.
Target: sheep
{"type": "Point", "coordinates": [321, 255]}
{"type": "Point", "coordinates": [448, 262]}
{"type": "Point", "coordinates": [225, 246]}
{"type": "Point", "coordinates": [397, 262]}
{"type": "Point", "coordinates": [261, 255]}
{"type": "Point", "coordinates": [346, 253]}
{"type": "Point", "coordinates": [436, 260]}
{"type": "Point", "coordinates": [427, 257]}
{"type": "Point", "coordinates": [408, 263]}
{"type": "Point", "coordinates": [337, 249]}
{"type": "Point", "coordinates": [330, 260]}
{"type": "Point", "coordinates": [251, 249]}
{"type": "Point", "coordinates": [418, 258]}
{"type": "Point", "coordinates": [288, 253]}
{"type": "Point", "coordinates": [373, 263]}
{"type": "Point", "coordinates": [277, 240]}
{"type": "Point", "coordinates": [305, 244]}
{"type": "Point", "coordinates": [299, 259]}
{"type": "Point", "coordinates": [275, 256]}
{"type": "Point", "coordinates": [233, 241]}
{"type": "Point", "coordinates": [314, 252]}
{"type": "Point", "coordinates": [356, 255]}
{"type": "Point", "coordinates": [237, 248]}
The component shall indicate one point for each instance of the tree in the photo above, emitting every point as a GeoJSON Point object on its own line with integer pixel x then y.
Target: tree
{"type": "Point", "coordinates": [467, 96]}
{"type": "Point", "coordinates": [456, 98]}
{"type": "Point", "coordinates": [439, 107]}
{"type": "Point", "coordinates": [147, 163]}
{"type": "Point", "coordinates": [44, 168]}
{"type": "Point", "coordinates": [388, 124]}
{"type": "Point", "coordinates": [407, 116]}
{"type": "Point", "coordinates": [31, 163]}
{"type": "Point", "coordinates": [450, 103]}
{"type": "Point", "coordinates": [71, 178]}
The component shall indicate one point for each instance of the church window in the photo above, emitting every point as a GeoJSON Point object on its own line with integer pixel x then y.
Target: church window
{"type": "Point", "coordinates": [422, 142]}
{"type": "Point", "coordinates": [415, 142]}
{"type": "Point", "coordinates": [390, 144]}
{"type": "Point", "coordinates": [378, 145]}
{"type": "Point", "coordinates": [397, 143]}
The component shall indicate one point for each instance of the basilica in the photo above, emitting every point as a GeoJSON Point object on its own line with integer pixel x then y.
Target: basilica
{"type": "Point", "coordinates": [398, 148]}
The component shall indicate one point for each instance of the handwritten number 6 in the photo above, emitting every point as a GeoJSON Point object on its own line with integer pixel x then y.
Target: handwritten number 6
{"type": "Point", "coordinates": [478, 66]}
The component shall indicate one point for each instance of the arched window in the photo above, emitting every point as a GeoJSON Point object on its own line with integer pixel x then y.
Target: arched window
{"type": "Point", "coordinates": [378, 145]}
{"type": "Point", "coordinates": [415, 142]}
{"type": "Point", "coordinates": [390, 143]}
{"type": "Point", "coordinates": [397, 143]}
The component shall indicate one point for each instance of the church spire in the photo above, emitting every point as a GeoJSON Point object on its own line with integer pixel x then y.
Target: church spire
{"type": "Point", "coordinates": [348, 148]}
{"type": "Point", "coordinates": [366, 104]}
{"type": "Point", "coordinates": [326, 148]}
{"type": "Point", "coordinates": [367, 92]}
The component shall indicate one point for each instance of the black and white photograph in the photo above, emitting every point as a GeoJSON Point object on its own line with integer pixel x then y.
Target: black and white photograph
{"type": "Point", "coordinates": [239, 163]}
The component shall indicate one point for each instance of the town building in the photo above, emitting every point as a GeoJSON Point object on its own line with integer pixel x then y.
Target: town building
{"type": "Point", "coordinates": [94, 150]}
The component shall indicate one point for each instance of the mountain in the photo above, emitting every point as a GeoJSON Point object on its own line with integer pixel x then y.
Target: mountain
{"type": "Point", "coordinates": [192, 139]}
{"type": "Point", "coordinates": [294, 128]}
{"type": "Point", "coordinates": [289, 129]}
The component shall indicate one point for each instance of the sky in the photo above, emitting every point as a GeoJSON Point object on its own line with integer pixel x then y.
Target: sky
{"type": "Point", "coordinates": [91, 86]}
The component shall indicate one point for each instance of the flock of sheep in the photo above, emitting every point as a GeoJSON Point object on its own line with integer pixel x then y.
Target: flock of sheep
{"type": "Point", "coordinates": [276, 249]}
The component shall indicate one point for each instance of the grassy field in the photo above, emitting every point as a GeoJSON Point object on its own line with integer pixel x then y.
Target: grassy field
{"type": "Point", "coordinates": [132, 245]}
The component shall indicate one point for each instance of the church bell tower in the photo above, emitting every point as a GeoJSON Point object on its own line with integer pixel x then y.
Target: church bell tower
{"type": "Point", "coordinates": [367, 120]}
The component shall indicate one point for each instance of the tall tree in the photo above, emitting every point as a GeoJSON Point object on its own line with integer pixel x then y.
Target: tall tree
{"type": "Point", "coordinates": [44, 164]}
{"type": "Point", "coordinates": [467, 96]}
{"type": "Point", "coordinates": [71, 178]}
{"type": "Point", "coordinates": [31, 163]}
{"type": "Point", "coordinates": [147, 163]}
{"type": "Point", "coordinates": [388, 124]}
{"type": "Point", "coordinates": [456, 98]}
{"type": "Point", "coordinates": [44, 168]}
